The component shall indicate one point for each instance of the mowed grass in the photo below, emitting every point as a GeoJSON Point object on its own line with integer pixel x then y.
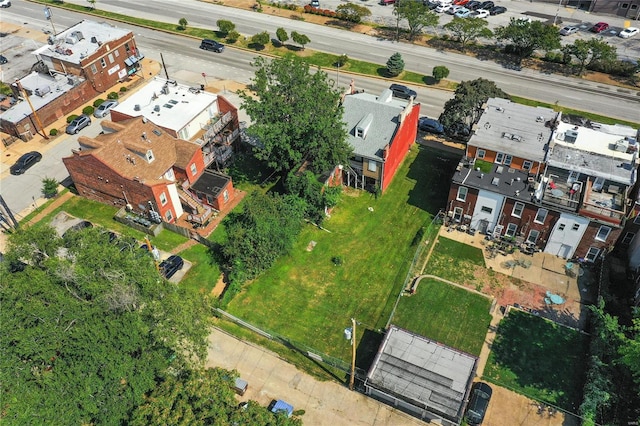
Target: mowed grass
{"type": "Point", "coordinates": [309, 300]}
{"type": "Point", "coordinates": [539, 359]}
{"type": "Point", "coordinates": [454, 261]}
{"type": "Point", "coordinates": [448, 314]}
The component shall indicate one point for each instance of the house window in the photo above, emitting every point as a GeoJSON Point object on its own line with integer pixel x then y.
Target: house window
{"type": "Point", "coordinates": [94, 70]}
{"type": "Point", "coordinates": [637, 220]}
{"type": "Point", "coordinates": [150, 157]}
{"type": "Point", "coordinates": [507, 160]}
{"type": "Point", "coordinates": [561, 227]}
{"type": "Point", "coordinates": [194, 169]}
{"type": "Point", "coordinates": [575, 227]}
{"type": "Point", "coordinates": [533, 236]}
{"type": "Point", "coordinates": [526, 165]}
{"type": "Point", "coordinates": [481, 153]}
{"type": "Point", "coordinates": [511, 230]}
{"type": "Point", "coordinates": [541, 216]}
{"type": "Point", "coordinates": [103, 63]}
{"type": "Point", "coordinates": [485, 209]}
{"type": "Point", "coordinates": [627, 238]}
{"type": "Point", "coordinates": [625, 5]}
{"type": "Point", "coordinates": [163, 199]}
{"type": "Point", "coordinates": [225, 195]}
{"type": "Point", "coordinates": [116, 53]}
{"type": "Point", "coordinates": [592, 254]}
{"type": "Point", "coordinates": [210, 200]}
{"type": "Point", "coordinates": [499, 158]}
{"type": "Point", "coordinates": [110, 58]}
{"type": "Point", "coordinates": [518, 208]}
{"type": "Point", "coordinates": [457, 214]}
{"type": "Point", "coordinates": [126, 47]}
{"type": "Point", "coordinates": [603, 233]}
{"type": "Point", "coordinates": [168, 215]}
{"type": "Point", "coordinates": [372, 166]}
{"type": "Point", "coordinates": [462, 193]}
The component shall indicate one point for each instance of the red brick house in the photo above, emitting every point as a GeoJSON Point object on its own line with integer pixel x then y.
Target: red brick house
{"type": "Point", "coordinates": [381, 131]}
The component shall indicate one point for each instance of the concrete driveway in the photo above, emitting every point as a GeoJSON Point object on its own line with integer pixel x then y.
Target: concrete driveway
{"type": "Point", "coordinates": [269, 377]}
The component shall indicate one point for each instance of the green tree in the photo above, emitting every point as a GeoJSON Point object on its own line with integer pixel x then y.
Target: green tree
{"type": "Point", "coordinates": [260, 40]}
{"type": "Point", "coordinates": [353, 12]}
{"type": "Point", "coordinates": [225, 26]}
{"type": "Point", "coordinates": [89, 330]}
{"type": "Point", "coordinates": [468, 30]}
{"type": "Point", "coordinates": [440, 72]}
{"type": "Point", "coordinates": [589, 52]}
{"type": "Point", "coordinates": [300, 39]}
{"type": "Point", "coordinates": [49, 187]}
{"type": "Point", "coordinates": [526, 37]}
{"type": "Point", "coordinates": [465, 108]}
{"type": "Point", "coordinates": [233, 36]}
{"type": "Point", "coordinates": [296, 116]}
{"type": "Point", "coordinates": [395, 65]}
{"type": "Point", "coordinates": [417, 16]}
{"type": "Point", "coordinates": [182, 24]}
{"type": "Point", "coordinates": [282, 35]}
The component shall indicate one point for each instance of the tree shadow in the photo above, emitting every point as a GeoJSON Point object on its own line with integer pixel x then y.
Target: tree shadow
{"type": "Point", "coordinates": [256, 46]}
{"type": "Point", "coordinates": [429, 80]}
{"type": "Point", "coordinates": [340, 24]}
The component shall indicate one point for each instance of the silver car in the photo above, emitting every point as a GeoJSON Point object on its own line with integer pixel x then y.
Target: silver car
{"type": "Point", "coordinates": [104, 108]}
{"type": "Point", "coordinates": [565, 31]}
{"type": "Point", "coordinates": [79, 123]}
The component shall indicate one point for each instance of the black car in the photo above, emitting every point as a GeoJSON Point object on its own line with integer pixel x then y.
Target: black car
{"type": "Point", "coordinates": [478, 403]}
{"type": "Point", "coordinates": [497, 10]}
{"type": "Point", "coordinates": [3, 60]}
{"type": "Point", "coordinates": [487, 5]}
{"type": "Point", "coordinates": [171, 265]}
{"type": "Point", "coordinates": [473, 5]}
{"type": "Point", "coordinates": [24, 162]}
{"type": "Point", "coordinates": [400, 91]}
{"type": "Point", "coordinates": [213, 45]}
{"type": "Point", "coordinates": [430, 125]}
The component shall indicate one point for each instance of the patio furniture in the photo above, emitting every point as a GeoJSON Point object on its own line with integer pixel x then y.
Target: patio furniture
{"type": "Point", "coordinates": [570, 269]}
{"type": "Point", "coordinates": [557, 193]}
{"type": "Point", "coordinates": [553, 299]}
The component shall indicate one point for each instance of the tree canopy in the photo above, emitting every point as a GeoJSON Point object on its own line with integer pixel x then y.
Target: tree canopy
{"type": "Point", "coordinates": [395, 65]}
{"type": "Point", "coordinates": [353, 12]}
{"type": "Point", "coordinates": [296, 115]}
{"type": "Point", "coordinates": [526, 37]}
{"type": "Point", "coordinates": [467, 30]}
{"type": "Point", "coordinates": [588, 52]}
{"type": "Point", "coordinates": [417, 16]}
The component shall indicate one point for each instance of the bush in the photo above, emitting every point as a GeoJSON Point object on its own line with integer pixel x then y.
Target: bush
{"type": "Point", "coordinates": [113, 95]}
{"type": "Point", "coordinates": [71, 118]}
{"type": "Point", "coordinates": [225, 26]}
{"type": "Point", "coordinates": [440, 72]}
{"type": "Point", "coordinates": [98, 102]}
{"type": "Point", "coordinates": [53, 132]}
{"type": "Point", "coordinates": [337, 260]}
{"type": "Point", "coordinates": [88, 110]}
{"type": "Point", "coordinates": [123, 89]}
{"type": "Point", "coordinates": [49, 187]}
{"type": "Point", "coordinates": [395, 65]}
{"type": "Point", "coordinates": [233, 36]}
{"type": "Point", "coordinates": [182, 24]}
{"type": "Point", "coordinates": [555, 57]}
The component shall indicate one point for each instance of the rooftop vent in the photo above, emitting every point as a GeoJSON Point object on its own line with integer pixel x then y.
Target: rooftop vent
{"type": "Point", "coordinates": [156, 108]}
{"type": "Point", "coordinates": [42, 90]}
{"type": "Point", "coordinates": [499, 169]}
{"type": "Point", "coordinates": [78, 35]}
{"type": "Point", "coordinates": [499, 109]}
{"type": "Point", "coordinates": [94, 40]}
{"type": "Point", "coordinates": [570, 136]}
{"type": "Point", "coordinates": [165, 89]}
{"type": "Point", "coordinates": [157, 132]}
{"type": "Point", "coordinates": [495, 181]}
{"type": "Point", "coordinates": [539, 119]}
{"type": "Point", "coordinates": [136, 107]}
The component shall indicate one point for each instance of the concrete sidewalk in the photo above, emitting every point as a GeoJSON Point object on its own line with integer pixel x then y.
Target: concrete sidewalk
{"type": "Point", "coordinates": [325, 403]}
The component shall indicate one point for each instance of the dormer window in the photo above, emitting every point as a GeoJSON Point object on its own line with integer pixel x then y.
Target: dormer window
{"type": "Point", "coordinates": [150, 156]}
{"type": "Point", "coordinates": [363, 126]}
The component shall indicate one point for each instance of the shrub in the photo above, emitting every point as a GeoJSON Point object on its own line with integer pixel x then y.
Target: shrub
{"type": "Point", "coordinates": [440, 72]}
{"type": "Point", "coordinates": [336, 260]}
{"type": "Point", "coordinates": [123, 89]}
{"type": "Point", "coordinates": [233, 36]}
{"type": "Point", "coordinates": [182, 24]}
{"type": "Point", "coordinates": [88, 110]}
{"type": "Point", "coordinates": [113, 95]}
{"type": "Point", "coordinates": [225, 26]}
{"type": "Point", "coordinates": [395, 65]}
{"type": "Point", "coordinates": [53, 132]}
{"type": "Point", "coordinates": [71, 118]}
{"type": "Point", "coordinates": [98, 102]}
{"type": "Point", "coordinates": [49, 187]}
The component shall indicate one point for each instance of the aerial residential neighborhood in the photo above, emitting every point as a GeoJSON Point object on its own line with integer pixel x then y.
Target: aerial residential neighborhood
{"type": "Point", "coordinates": [327, 213]}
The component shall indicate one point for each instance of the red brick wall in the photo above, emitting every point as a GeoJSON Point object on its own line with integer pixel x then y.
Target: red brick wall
{"type": "Point", "coordinates": [182, 175]}
{"type": "Point", "coordinates": [490, 156]}
{"type": "Point", "coordinates": [102, 80]}
{"type": "Point", "coordinates": [157, 190]}
{"type": "Point", "coordinates": [589, 239]}
{"type": "Point", "coordinates": [225, 106]}
{"type": "Point", "coordinates": [404, 138]}
{"type": "Point", "coordinates": [219, 203]}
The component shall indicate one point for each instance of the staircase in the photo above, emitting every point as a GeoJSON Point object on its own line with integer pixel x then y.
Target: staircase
{"type": "Point", "coordinates": [202, 212]}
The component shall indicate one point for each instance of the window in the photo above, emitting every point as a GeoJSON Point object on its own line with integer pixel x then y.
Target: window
{"type": "Point", "coordinates": [499, 157]}
{"type": "Point", "coordinates": [103, 63]}
{"type": "Point", "coordinates": [625, 5]}
{"type": "Point", "coordinates": [194, 169]}
{"type": "Point", "coordinates": [163, 199]}
{"type": "Point", "coordinates": [225, 195]}
{"type": "Point", "coordinates": [634, 6]}
{"type": "Point", "coordinates": [507, 160]}
{"type": "Point", "coordinates": [94, 70]}
{"type": "Point", "coordinates": [150, 156]}
{"type": "Point", "coordinates": [561, 227]}
{"type": "Point", "coordinates": [518, 208]}
{"type": "Point", "coordinates": [592, 254]}
{"type": "Point", "coordinates": [533, 236]}
{"type": "Point", "coordinates": [110, 58]}
{"type": "Point", "coordinates": [526, 165]}
{"type": "Point", "coordinates": [637, 220]}
{"type": "Point", "coordinates": [462, 193]}
{"type": "Point", "coordinates": [126, 47]}
{"type": "Point", "coordinates": [575, 227]}
{"type": "Point", "coordinates": [210, 199]}
{"type": "Point", "coordinates": [116, 53]}
{"type": "Point", "coordinates": [486, 209]}
{"type": "Point", "coordinates": [511, 230]}
{"type": "Point", "coordinates": [627, 238]}
{"type": "Point", "coordinates": [372, 166]}
{"type": "Point", "coordinates": [541, 216]}
{"type": "Point", "coordinates": [603, 233]}
{"type": "Point", "coordinates": [481, 153]}
{"type": "Point", "coordinates": [168, 215]}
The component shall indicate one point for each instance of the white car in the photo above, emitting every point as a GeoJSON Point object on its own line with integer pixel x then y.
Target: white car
{"type": "Point", "coordinates": [5, 3]}
{"type": "Point", "coordinates": [443, 7]}
{"type": "Point", "coordinates": [628, 32]}
{"type": "Point", "coordinates": [480, 13]}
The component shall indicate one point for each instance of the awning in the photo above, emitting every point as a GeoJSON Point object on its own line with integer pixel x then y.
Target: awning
{"type": "Point", "coordinates": [133, 59]}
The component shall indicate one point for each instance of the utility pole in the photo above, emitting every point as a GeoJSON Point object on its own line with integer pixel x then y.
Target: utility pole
{"type": "Point", "coordinates": [49, 17]}
{"type": "Point", "coordinates": [35, 114]}
{"type": "Point", "coordinates": [353, 353]}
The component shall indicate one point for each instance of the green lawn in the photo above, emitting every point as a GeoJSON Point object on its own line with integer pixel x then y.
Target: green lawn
{"type": "Point", "coordinates": [454, 261]}
{"type": "Point", "coordinates": [539, 359]}
{"type": "Point", "coordinates": [445, 313]}
{"type": "Point", "coordinates": [309, 300]}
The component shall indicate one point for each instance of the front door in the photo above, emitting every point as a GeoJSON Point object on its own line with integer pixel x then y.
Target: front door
{"type": "Point", "coordinates": [564, 251]}
{"type": "Point", "coordinates": [483, 225]}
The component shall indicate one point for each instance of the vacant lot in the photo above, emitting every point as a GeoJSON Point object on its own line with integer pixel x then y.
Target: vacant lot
{"type": "Point", "coordinates": [539, 359]}
{"type": "Point", "coordinates": [308, 299]}
{"type": "Point", "coordinates": [445, 313]}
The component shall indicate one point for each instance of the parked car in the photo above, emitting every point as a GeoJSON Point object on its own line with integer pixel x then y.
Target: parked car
{"type": "Point", "coordinates": [213, 45]}
{"type": "Point", "coordinates": [443, 8]}
{"type": "Point", "coordinates": [497, 10]}
{"type": "Point", "coordinates": [600, 27]}
{"type": "Point", "coordinates": [104, 108]}
{"type": "Point", "coordinates": [473, 5]}
{"type": "Point", "coordinates": [487, 5]}
{"type": "Point", "coordinates": [524, 20]}
{"type": "Point", "coordinates": [400, 91]}
{"type": "Point", "coordinates": [314, 3]}
{"type": "Point", "coordinates": [463, 13]}
{"type": "Point", "coordinates": [430, 125]}
{"type": "Point", "coordinates": [3, 60]}
{"type": "Point", "coordinates": [387, 2]}
{"type": "Point", "coordinates": [453, 9]}
{"type": "Point", "coordinates": [78, 123]}
{"type": "Point", "coordinates": [24, 162]}
{"type": "Point", "coordinates": [281, 406]}
{"type": "Point", "coordinates": [171, 265]}
{"type": "Point", "coordinates": [5, 3]}
{"type": "Point", "coordinates": [478, 403]}
{"type": "Point", "coordinates": [629, 32]}
{"type": "Point", "coordinates": [482, 13]}
{"type": "Point", "coordinates": [461, 2]}
{"type": "Point", "coordinates": [565, 31]}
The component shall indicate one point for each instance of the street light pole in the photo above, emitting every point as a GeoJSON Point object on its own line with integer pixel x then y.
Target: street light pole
{"type": "Point", "coordinates": [555, 18]}
{"type": "Point", "coordinates": [353, 354]}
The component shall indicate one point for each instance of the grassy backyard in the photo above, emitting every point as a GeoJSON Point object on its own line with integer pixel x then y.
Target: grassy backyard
{"type": "Point", "coordinates": [539, 359]}
{"type": "Point", "coordinates": [454, 261]}
{"type": "Point", "coordinates": [448, 314]}
{"type": "Point", "coordinates": [305, 297]}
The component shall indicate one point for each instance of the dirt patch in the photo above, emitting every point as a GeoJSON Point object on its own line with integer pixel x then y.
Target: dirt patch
{"type": "Point", "coordinates": [218, 289]}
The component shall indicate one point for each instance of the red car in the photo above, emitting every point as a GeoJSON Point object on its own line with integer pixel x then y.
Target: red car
{"type": "Point", "coordinates": [600, 27]}
{"type": "Point", "coordinates": [461, 2]}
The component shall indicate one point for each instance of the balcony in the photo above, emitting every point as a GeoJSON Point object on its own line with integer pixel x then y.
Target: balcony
{"type": "Point", "coordinates": [561, 190]}
{"type": "Point", "coordinates": [607, 205]}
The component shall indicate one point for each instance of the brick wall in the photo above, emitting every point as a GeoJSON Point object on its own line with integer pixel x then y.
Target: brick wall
{"type": "Point", "coordinates": [397, 150]}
